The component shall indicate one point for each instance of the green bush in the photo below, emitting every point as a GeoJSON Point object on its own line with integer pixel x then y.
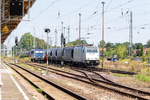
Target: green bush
{"type": "Point", "coordinates": [143, 77]}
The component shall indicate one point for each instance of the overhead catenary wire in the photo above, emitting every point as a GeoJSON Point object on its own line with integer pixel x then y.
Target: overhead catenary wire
{"type": "Point", "coordinates": [117, 18]}
{"type": "Point", "coordinates": [107, 6]}
{"type": "Point", "coordinates": [117, 29]}
{"type": "Point", "coordinates": [45, 9]}
{"type": "Point", "coordinates": [95, 13]}
{"type": "Point", "coordinates": [119, 6]}
{"type": "Point", "coordinates": [91, 16]}
{"type": "Point", "coordinates": [78, 9]}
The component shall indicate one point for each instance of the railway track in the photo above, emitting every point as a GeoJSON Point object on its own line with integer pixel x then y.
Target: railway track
{"type": "Point", "coordinates": [49, 88]}
{"type": "Point", "coordinates": [107, 70]}
{"type": "Point", "coordinates": [110, 83]}
{"type": "Point", "coordinates": [92, 74]}
{"type": "Point", "coordinates": [105, 83]}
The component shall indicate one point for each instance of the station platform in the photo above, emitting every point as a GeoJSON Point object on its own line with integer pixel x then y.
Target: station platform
{"type": "Point", "coordinates": [10, 88]}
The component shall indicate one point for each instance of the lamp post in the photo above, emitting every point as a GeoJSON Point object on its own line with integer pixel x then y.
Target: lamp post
{"type": "Point", "coordinates": [47, 30]}
{"type": "Point", "coordinates": [103, 3]}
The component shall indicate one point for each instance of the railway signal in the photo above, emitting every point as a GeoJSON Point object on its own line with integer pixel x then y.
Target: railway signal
{"type": "Point", "coordinates": [16, 7]}
{"type": "Point", "coordinates": [16, 41]}
{"type": "Point", "coordinates": [47, 30]}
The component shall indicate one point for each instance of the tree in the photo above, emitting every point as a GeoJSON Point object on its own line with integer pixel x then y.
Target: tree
{"type": "Point", "coordinates": [122, 51]}
{"type": "Point", "coordinates": [110, 49]}
{"type": "Point", "coordinates": [126, 44]}
{"type": "Point", "coordinates": [102, 43]}
{"type": "Point", "coordinates": [148, 44]}
{"type": "Point", "coordinates": [109, 46]}
{"type": "Point", "coordinates": [110, 52]}
{"type": "Point", "coordinates": [77, 43]}
{"type": "Point", "coordinates": [26, 42]}
{"type": "Point", "coordinates": [138, 48]}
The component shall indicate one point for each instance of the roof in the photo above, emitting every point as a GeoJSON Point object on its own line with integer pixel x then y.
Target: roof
{"type": "Point", "coordinates": [38, 50]}
{"type": "Point", "coordinates": [10, 22]}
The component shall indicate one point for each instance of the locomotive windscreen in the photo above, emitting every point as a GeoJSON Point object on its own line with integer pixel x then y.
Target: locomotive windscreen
{"type": "Point", "coordinates": [92, 50]}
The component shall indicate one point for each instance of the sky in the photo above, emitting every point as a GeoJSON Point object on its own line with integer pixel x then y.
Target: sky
{"type": "Point", "coordinates": [50, 14]}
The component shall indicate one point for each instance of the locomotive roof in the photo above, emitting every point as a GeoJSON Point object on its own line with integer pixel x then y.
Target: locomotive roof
{"type": "Point", "coordinates": [38, 50]}
{"type": "Point", "coordinates": [73, 47]}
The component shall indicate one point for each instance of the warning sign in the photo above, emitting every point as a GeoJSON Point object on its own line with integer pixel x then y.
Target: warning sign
{"type": "Point", "coordinates": [5, 29]}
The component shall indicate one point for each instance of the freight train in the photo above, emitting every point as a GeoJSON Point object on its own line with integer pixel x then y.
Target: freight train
{"type": "Point", "coordinates": [77, 55]}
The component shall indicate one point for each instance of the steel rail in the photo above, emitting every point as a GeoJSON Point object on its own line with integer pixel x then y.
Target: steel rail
{"type": "Point", "coordinates": [114, 84]}
{"type": "Point", "coordinates": [71, 93]}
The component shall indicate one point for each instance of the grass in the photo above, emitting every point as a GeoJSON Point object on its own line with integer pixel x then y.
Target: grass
{"type": "Point", "coordinates": [121, 75]}
{"type": "Point", "coordinates": [125, 60]}
{"type": "Point", "coordinates": [25, 65]}
{"type": "Point", "coordinates": [143, 77]}
{"type": "Point", "coordinates": [24, 59]}
{"type": "Point", "coordinates": [30, 67]}
{"type": "Point", "coordinates": [140, 77]}
{"type": "Point", "coordinates": [145, 71]}
{"type": "Point", "coordinates": [39, 90]}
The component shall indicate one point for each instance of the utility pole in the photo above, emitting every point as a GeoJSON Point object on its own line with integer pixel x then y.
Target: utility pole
{"type": "Point", "coordinates": [79, 26]}
{"type": "Point", "coordinates": [0, 29]}
{"type": "Point", "coordinates": [62, 34]}
{"type": "Point", "coordinates": [34, 38]}
{"type": "Point", "coordinates": [55, 37]}
{"type": "Point", "coordinates": [103, 3]}
{"type": "Point", "coordinates": [130, 34]}
{"type": "Point", "coordinates": [64, 31]}
{"type": "Point", "coordinates": [64, 38]}
{"type": "Point", "coordinates": [62, 25]}
{"type": "Point", "coordinates": [34, 47]}
{"type": "Point", "coordinates": [50, 41]}
{"type": "Point", "coordinates": [68, 34]}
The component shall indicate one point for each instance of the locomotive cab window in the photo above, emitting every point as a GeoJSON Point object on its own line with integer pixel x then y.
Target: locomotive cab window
{"type": "Point", "coordinates": [92, 50]}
